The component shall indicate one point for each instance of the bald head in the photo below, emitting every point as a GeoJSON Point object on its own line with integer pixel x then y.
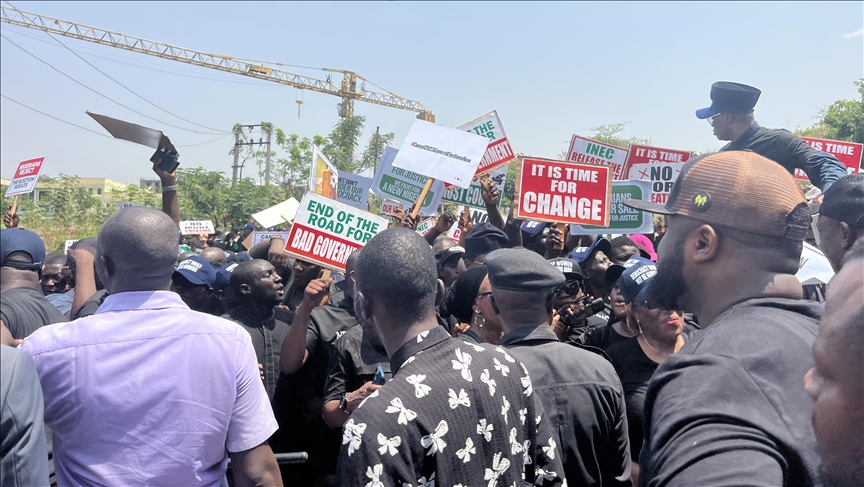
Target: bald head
{"type": "Point", "coordinates": [215, 256]}
{"type": "Point", "coordinates": [137, 250]}
{"type": "Point", "coordinates": [441, 244]}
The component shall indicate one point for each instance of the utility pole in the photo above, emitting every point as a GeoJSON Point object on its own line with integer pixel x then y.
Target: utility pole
{"type": "Point", "coordinates": [237, 130]}
{"type": "Point", "coordinates": [268, 131]}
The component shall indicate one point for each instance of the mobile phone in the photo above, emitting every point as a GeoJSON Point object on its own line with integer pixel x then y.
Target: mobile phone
{"type": "Point", "coordinates": [379, 378]}
{"type": "Point", "coordinates": [165, 161]}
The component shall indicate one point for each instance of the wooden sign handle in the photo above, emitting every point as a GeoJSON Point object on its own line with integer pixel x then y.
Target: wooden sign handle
{"type": "Point", "coordinates": [422, 198]}
{"type": "Point", "coordinates": [15, 205]}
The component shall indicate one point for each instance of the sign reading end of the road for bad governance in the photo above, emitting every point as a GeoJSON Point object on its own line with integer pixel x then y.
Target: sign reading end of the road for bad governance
{"type": "Point", "coordinates": [26, 175]}
{"type": "Point", "coordinates": [623, 219]}
{"type": "Point", "coordinates": [325, 231]}
{"type": "Point", "coordinates": [558, 191]}
{"type": "Point", "coordinates": [443, 153]}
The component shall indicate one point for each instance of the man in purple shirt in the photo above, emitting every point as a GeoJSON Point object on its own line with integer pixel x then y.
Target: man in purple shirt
{"type": "Point", "coordinates": [147, 391]}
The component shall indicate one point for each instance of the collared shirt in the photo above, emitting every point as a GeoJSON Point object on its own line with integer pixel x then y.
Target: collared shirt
{"type": "Point", "coordinates": [62, 301]}
{"type": "Point", "coordinates": [147, 391]}
{"type": "Point", "coordinates": [584, 400]}
{"type": "Point", "coordinates": [267, 337]}
{"type": "Point", "coordinates": [791, 152]}
{"type": "Point", "coordinates": [454, 413]}
{"type": "Point", "coordinates": [354, 361]}
{"type": "Point", "coordinates": [25, 310]}
{"type": "Point", "coordinates": [729, 408]}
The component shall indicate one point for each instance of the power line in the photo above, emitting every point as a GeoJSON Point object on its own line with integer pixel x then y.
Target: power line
{"type": "Point", "coordinates": [103, 95]}
{"type": "Point", "coordinates": [100, 133]}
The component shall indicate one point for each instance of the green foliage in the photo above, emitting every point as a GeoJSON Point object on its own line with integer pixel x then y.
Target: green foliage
{"type": "Point", "coordinates": [842, 120]}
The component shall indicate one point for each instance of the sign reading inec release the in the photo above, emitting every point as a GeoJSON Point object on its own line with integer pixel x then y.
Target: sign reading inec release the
{"type": "Point", "coordinates": [442, 153]}
{"type": "Point", "coordinates": [623, 219]}
{"type": "Point", "coordinates": [404, 186]}
{"type": "Point", "coordinates": [587, 151]}
{"type": "Point", "coordinates": [325, 231]}
{"type": "Point", "coordinates": [353, 189]}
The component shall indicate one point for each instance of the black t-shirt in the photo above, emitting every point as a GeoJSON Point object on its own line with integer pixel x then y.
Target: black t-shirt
{"type": "Point", "coordinates": [635, 369]}
{"type": "Point", "coordinates": [267, 337]}
{"type": "Point", "coordinates": [354, 361]}
{"type": "Point", "coordinates": [603, 337]}
{"type": "Point", "coordinates": [25, 310]}
{"type": "Point", "coordinates": [92, 304]}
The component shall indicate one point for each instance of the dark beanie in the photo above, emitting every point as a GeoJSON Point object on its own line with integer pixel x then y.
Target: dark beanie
{"type": "Point", "coordinates": [484, 238]}
{"type": "Point", "coordinates": [460, 297]}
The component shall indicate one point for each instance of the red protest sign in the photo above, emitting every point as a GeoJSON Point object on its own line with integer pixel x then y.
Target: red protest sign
{"type": "Point", "coordinates": [499, 152]}
{"type": "Point", "coordinates": [325, 231]}
{"type": "Point", "coordinates": [644, 154]}
{"type": "Point", "coordinates": [587, 151]}
{"type": "Point", "coordinates": [26, 175]}
{"type": "Point", "coordinates": [658, 166]}
{"type": "Point", "coordinates": [558, 191]}
{"type": "Point", "coordinates": [849, 153]}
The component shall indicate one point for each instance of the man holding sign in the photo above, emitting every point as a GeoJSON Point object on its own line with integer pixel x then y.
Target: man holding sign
{"type": "Point", "coordinates": [731, 115]}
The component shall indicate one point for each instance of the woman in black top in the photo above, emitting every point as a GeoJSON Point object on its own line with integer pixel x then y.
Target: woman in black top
{"type": "Point", "coordinates": [618, 328]}
{"type": "Point", "coordinates": [468, 301]}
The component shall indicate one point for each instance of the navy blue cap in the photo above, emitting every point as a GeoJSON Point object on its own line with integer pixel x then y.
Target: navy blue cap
{"type": "Point", "coordinates": [581, 254]}
{"type": "Point", "coordinates": [635, 280]}
{"type": "Point", "coordinates": [614, 271]}
{"type": "Point", "coordinates": [569, 267]}
{"type": "Point", "coordinates": [248, 226]}
{"type": "Point", "coordinates": [728, 97]}
{"type": "Point", "coordinates": [19, 239]}
{"type": "Point", "coordinates": [223, 276]}
{"type": "Point", "coordinates": [530, 229]}
{"type": "Point", "coordinates": [197, 270]}
{"type": "Point", "coordinates": [484, 238]}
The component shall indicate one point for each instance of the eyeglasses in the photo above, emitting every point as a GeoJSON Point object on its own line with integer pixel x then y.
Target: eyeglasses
{"type": "Point", "coordinates": [570, 288]}
{"type": "Point", "coordinates": [711, 119]}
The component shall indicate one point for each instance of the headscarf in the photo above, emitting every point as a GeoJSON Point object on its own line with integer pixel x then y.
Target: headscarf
{"type": "Point", "coordinates": [460, 297]}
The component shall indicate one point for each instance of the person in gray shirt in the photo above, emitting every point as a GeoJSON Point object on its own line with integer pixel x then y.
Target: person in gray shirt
{"type": "Point", "coordinates": [23, 448]}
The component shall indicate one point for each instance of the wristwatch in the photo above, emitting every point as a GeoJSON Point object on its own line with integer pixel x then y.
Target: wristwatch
{"type": "Point", "coordinates": [343, 403]}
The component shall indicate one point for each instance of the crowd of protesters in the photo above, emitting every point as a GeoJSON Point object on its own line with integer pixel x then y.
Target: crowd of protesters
{"type": "Point", "coordinates": [518, 355]}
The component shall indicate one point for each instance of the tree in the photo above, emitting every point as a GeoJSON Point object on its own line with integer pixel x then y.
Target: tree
{"type": "Point", "coordinates": [842, 120]}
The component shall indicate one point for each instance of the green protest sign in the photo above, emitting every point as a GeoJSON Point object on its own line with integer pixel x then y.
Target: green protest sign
{"type": "Point", "coordinates": [623, 219]}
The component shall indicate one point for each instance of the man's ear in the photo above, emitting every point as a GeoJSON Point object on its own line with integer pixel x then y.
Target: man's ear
{"type": "Point", "coordinates": [850, 235]}
{"type": "Point", "coordinates": [702, 245]}
{"type": "Point", "coordinates": [245, 289]}
{"type": "Point", "coordinates": [439, 293]}
{"type": "Point", "coordinates": [362, 307]}
{"type": "Point", "coordinates": [104, 268]}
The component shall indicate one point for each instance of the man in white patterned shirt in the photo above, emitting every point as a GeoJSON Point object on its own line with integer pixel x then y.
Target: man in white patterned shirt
{"type": "Point", "coordinates": [453, 413]}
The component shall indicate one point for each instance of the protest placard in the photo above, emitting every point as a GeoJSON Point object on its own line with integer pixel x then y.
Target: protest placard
{"type": "Point", "coordinates": [478, 216]}
{"type": "Point", "coordinates": [848, 153]}
{"type": "Point", "coordinates": [473, 195]}
{"type": "Point", "coordinates": [499, 152]}
{"type": "Point", "coordinates": [325, 231]}
{"type": "Point", "coordinates": [68, 245]}
{"type": "Point", "coordinates": [258, 237]}
{"type": "Point", "coordinates": [587, 151]}
{"type": "Point", "coordinates": [125, 204]}
{"type": "Point", "coordinates": [623, 219]}
{"type": "Point", "coordinates": [353, 189]}
{"type": "Point", "coordinates": [661, 176]}
{"type": "Point", "coordinates": [404, 186]}
{"type": "Point", "coordinates": [273, 216]}
{"type": "Point", "coordinates": [389, 207]}
{"type": "Point", "coordinates": [197, 227]}
{"type": "Point", "coordinates": [26, 175]}
{"type": "Point", "coordinates": [565, 192]}
{"type": "Point", "coordinates": [442, 153]}
{"type": "Point", "coordinates": [424, 226]}
{"type": "Point", "coordinates": [323, 176]}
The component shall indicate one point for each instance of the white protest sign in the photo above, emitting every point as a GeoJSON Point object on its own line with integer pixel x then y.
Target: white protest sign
{"type": "Point", "coordinates": [499, 152]}
{"type": "Point", "coordinates": [388, 207]}
{"type": "Point", "coordinates": [125, 204]}
{"type": "Point", "coordinates": [478, 216]}
{"type": "Point", "coordinates": [443, 153]}
{"type": "Point", "coordinates": [623, 219]}
{"type": "Point", "coordinates": [424, 226]}
{"type": "Point", "coordinates": [197, 227]}
{"type": "Point", "coordinates": [588, 151]}
{"type": "Point", "coordinates": [353, 189]}
{"type": "Point", "coordinates": [661, 176]}
{"type": "Point", "coordinates": [26, 175]}
{"type": "Point", "coordinates": [814, 267]}
{"type": "Point", "coordinates": [68, 245]}
{"type": "Point", "coordinates": [272, 216]}
{"type": "Point", "coordinates": [258, 237]}
{"type": "Point", "coordinates": [404, 186]}
{"type": "Point", "coordinates": [326, 232]}
{"type": "Point", "coordinates": [473, 195]}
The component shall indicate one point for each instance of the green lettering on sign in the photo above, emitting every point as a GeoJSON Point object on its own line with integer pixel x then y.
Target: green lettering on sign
{"type": "Point", "coordinates": [623, 217]}
{"type": "Point", "coordinates": [404, 190]}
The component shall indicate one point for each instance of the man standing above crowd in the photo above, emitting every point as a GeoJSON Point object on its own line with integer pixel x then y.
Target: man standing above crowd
{"type": "Point", "coordinates": [728, 408]}
{"type": "Point", "coordinates": [841, 218]}
{"type": "Point", "coordinates": [23, 308]}
{"type": "Point", "coordinates": [579, 389]}
{"type": "Point", "coordinates": [474, 423]}
{"type": "Point", "coordinates": [153, 381]}
{"type": "Point", "coordinates": [731, 115]}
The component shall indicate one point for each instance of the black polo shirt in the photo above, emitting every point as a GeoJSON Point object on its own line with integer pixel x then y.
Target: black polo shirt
{"type": "Point", "coordinates": [354, 361]}
{"type": "Point", "coordinates": [790, 151]}
{"type": "Point", "coordinates": [25, 310]}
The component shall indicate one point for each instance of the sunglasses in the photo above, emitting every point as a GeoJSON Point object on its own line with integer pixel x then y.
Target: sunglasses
{"type": "Point", "coordinates": [711, 119]}
{"type": "Point", "coordinates": [570, 288]}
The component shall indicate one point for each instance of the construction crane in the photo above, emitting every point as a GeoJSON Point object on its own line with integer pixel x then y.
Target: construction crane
{"type": "Point", "coordinates": [347, 90]}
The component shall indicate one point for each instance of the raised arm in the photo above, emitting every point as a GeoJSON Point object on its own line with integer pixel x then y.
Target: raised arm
{"type": "Point", "coordinates": [170, 203]}
{"type": "Point", "coordinates": [294, 351]}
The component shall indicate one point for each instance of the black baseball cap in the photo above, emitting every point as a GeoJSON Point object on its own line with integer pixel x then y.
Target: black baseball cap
{"type": "Point", "coordinates": [569, 267]}
{"type": "Point", "coordinates": [844, 201]}
{"type": "Point", "coordinates": [443, 257]}
{"type": "Point", "coordinates": [21, 240]}
{"type": "Point", "coordinates": [729, 97]}
{"type": "Point", "coordinates": [614, 271]}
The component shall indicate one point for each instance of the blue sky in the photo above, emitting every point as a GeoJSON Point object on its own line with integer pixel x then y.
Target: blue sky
{"type": "Point", "coordinates": [550, 69]}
